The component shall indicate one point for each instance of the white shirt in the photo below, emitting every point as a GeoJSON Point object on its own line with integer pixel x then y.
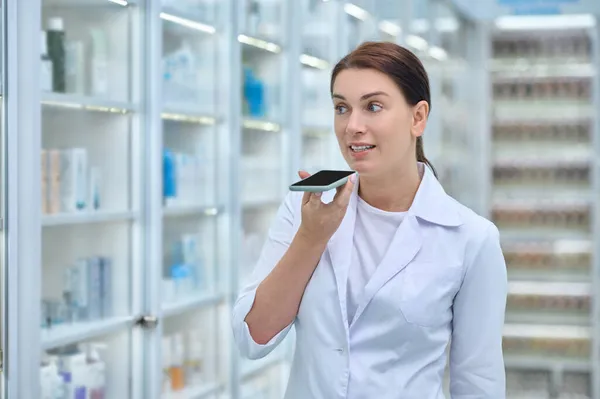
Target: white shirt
{"type": "Point", "coordinates": [373, 232]}
{"type": "Point", "coordinates": [443, 280]}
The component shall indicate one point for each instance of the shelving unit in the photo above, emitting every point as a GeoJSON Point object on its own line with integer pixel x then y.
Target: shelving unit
{"type": "Point", "coordinates": [188, 119]}
{"type": "Point", "coordinates": [543, 200]}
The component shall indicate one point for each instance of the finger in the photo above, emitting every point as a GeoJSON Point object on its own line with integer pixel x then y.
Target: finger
{"type": "Point", "coordinates": [315, 198]}
{"type": "Point", "coordinates": [305, 198]}
{"type": "Point", "coordinates": [303, 174]}
{"type": "Point", "coordinates": [343, 194]}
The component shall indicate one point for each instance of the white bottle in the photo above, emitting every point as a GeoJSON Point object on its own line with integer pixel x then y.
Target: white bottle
{"type": "Point", "coordinates": [45, 64]}
{"type": "Point", "coordinates": [99, 63]}
{"type": "Point", "coordinates": [195, 362]}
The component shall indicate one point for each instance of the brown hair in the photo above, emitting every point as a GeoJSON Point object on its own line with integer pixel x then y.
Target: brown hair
{"type": "Point", "coordinates": [398, 63]}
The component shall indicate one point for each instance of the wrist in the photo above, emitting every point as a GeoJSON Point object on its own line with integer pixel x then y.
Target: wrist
{"type": "Point", "coordinates": [310, 239]}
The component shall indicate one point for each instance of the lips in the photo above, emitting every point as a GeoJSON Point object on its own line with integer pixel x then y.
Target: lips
{"type": "Point", "coordinates": [361, 147]}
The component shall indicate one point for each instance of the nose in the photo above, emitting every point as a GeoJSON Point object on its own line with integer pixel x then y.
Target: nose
{"type": "Point", "coordinates": [356, 124]}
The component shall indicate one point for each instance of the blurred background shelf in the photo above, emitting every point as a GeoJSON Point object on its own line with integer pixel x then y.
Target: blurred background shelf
{"type": "Point", "coordinates": [71, 333]}
{"type": "Point", "coordinates": [192, 303]}
{"type": "Point", "coordinates": [170, 130]}
{"type": "Point", "coordinates": [94, 217]}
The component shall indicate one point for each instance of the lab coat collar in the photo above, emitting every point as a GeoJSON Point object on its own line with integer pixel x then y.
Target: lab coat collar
{"type": "Point", "coordinates": [431, 203]}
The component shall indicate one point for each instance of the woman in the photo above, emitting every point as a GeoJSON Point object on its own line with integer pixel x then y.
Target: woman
{"type": "Point", "coordinates": [381, 278]}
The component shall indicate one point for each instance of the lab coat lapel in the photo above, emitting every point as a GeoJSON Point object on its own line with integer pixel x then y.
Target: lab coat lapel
{"type": "Point", "coordinates": [405, 245]}
{"type": "Point", "coordinates": [340, 251]}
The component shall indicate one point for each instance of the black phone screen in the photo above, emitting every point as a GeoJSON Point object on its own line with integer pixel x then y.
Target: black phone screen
{"type": "Point", "coordinates": [324, 178]}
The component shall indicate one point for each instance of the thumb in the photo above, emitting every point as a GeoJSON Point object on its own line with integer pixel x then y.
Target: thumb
{"type": "Point", "coordinates": [306, 197]}
{"type": "Point", "coordinates": [343, 196]}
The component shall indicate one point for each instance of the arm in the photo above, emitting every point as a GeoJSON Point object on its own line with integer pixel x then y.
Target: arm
{"type": "Point", "coordinates": [476, 358]}
{"type": "Point", "coordinates": [267, 307]}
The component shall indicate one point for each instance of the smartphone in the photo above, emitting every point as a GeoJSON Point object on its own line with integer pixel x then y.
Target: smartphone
{"type": "Point", "coordinates": [323, 180]}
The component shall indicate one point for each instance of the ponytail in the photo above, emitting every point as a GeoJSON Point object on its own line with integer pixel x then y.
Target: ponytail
{"type": "Point", "coordinates": [421, 155]}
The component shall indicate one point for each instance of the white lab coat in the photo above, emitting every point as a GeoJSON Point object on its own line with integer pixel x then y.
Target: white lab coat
{"type": "Point", "coordinates": [442, 281]}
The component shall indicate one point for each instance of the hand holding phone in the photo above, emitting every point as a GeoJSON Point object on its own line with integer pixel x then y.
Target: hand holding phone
{"type": "Point", "coordinates": [320, 220]}
{"type": "Point", "coordinates": [322, 181]}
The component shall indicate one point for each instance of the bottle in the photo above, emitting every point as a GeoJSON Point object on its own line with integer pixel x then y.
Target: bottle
{"type": "Point", "coordinates": [56, 51]}
{"type": "Point", "coordinates": [99, 63]}
{"type": "Point", "coordinates": [177, 373]}
{"type": "Point", "coordinates": [46, 77]}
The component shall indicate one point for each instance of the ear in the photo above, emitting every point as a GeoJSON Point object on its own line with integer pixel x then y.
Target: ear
{"type": "Point", "coordinates": [420, 113]}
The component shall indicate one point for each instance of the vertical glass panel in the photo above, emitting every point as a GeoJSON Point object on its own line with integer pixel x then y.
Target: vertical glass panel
{"type": "Point", "coordinates": [189, 355]}
{"type": "Point", "coordinates": [319, 52]}
{"type": "Point", "coordinates": [261, 77]}
{"type": "Point", "coordinates": [189, 57]}
{"type": "Point", "coordinates": [190, 202]}
{"type": "Point", "coordinates": [189, 263]}
{"type": "Point", "coordinates": [87, 196]}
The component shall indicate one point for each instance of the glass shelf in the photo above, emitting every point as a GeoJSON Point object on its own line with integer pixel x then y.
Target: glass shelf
{"type": "Point", "coordinates": [71, 333]}
{"type": "Point", "coordinates": [75, 218]}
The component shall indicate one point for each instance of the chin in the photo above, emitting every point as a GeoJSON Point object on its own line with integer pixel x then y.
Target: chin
{"type": "Point", "coordinates": [362, 168]}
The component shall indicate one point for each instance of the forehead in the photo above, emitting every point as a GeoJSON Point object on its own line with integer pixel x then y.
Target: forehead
{"type": "Point", "coordinates": [353, 83]}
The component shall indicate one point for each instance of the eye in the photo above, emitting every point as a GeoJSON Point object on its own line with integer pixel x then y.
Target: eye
{"type": "Point", "coordinates": [373, 107]}
{"type": "Point", "coordinates": [340, 109]}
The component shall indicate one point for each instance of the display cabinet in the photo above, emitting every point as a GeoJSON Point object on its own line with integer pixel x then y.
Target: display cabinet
{"type": "Point", "coordinates": [543, 199]}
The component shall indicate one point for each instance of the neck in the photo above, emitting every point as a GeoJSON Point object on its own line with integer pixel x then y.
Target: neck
{"type": "Point", "coordinates": [393, 192]}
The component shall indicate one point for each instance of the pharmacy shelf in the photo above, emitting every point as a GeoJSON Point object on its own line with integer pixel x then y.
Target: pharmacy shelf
{"type": "Point", "coordinates": [314, 62]}
{"type": "Point", "coordinates": [249, 203]}
{"type": "Point", "coordinates": [66, 334]}
{"type": "Point", "coordinates": [189, 210]}
{"type": "Point", "coordinates": [187, 116]}
{"type": "Point", "coordinates": [196, 392]}
{"type": "Point", "coordinates": [255, 43]}
{"type": "Point", "coordinates": [65, 219]}
{"type": "Point", "coordinates": [550, 331]}
{"type": "Point", "coordinates": [320, 132]}
{"type": "Point", "coordinates": [86, 103]}
{"type": "Point", "coordinates": [519, 70]}
{"type": "Point", "coordinates": [549, 288]}
{"type": "Point", "coordinates": [101, 4]}
{"type": "Point", "coordinates": [192, 303]}
{"type": "Point", "coordinates": [529, 362]}
{"type": "Point", "coordinates": [260, 125]}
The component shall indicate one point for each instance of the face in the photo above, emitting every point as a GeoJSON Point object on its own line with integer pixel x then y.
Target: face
{"type": "Point", "coordinates": [376, 128]}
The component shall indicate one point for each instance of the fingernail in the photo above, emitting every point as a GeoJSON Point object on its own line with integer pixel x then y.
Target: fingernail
{"type": "Point", "coordinates": [353, 178]}
{"type": "Point", "coordinates": [317, 195]}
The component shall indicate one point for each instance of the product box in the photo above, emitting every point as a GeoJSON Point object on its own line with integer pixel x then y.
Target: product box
{"type": "Point", "coordinates": [53, 193]}
{"type": "Point", "coordinates": [74, 369]}
{"type": "Point", "coordinates": [95, 287]}
{"type": "Point", "coordinates": [106, 304]}
{"type": "Point", "coordinates": [81, 289]}
{"type": "Point", "coordinates": [44, 182]}
{"type": "Point", "coordinates": [74, 175]}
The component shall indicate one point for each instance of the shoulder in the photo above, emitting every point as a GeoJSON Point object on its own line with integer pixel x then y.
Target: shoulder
{"type": "Point", "coordinates": [477, 232]}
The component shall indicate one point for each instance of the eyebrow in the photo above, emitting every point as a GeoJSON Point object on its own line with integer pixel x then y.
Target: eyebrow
{"type": "Point", "coordinates": [363, 97]}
